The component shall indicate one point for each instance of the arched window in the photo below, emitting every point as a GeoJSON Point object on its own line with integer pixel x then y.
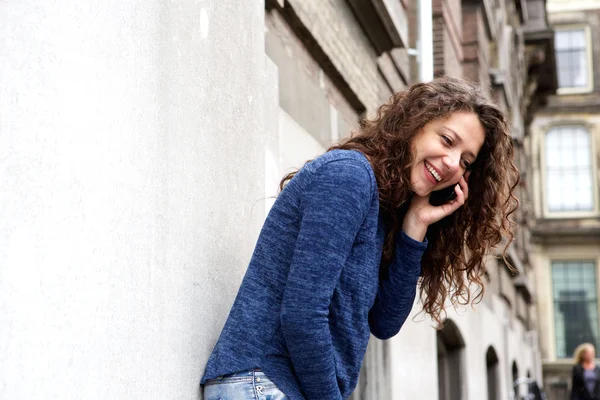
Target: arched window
{"type": "Point", "coordinates": [450, 345]}
{"type": "Point", "coordinates": [515, 377]}
{"type": "Point", "coordinates": [491, 362]}
{"type": "Point", "coordinates": [568, 170]}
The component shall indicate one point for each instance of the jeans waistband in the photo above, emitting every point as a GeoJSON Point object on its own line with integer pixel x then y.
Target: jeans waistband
{"type": "Point", "coordinates": [249, 375]}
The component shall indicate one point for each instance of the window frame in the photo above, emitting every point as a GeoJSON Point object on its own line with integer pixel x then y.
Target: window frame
{"type": "Point", "coordinates": [546, 213]}
{"type": "Point", "coordinates": [590, 71]}
{"type": "Point", "coordinates": [584, 257]}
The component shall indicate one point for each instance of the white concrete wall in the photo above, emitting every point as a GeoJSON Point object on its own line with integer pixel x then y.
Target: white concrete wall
{"type": "Point", "coordinates": [287, 151]}
{"type": "Point", "coordinates": [132, 138]}
{"type": "Point", "coordinates": [413, 355]}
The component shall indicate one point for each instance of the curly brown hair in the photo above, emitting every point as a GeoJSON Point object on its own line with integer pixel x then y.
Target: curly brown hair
{"type": "Point", "coordinates": [454, 258]}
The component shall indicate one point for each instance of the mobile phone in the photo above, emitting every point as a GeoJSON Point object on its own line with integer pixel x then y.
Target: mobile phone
{"type": "Point", "coordinates": [442, 196]}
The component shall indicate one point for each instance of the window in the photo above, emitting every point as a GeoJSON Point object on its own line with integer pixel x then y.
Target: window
{"type": "Point", "coordinates": [450, 345]}
{"type": "Point", "coordinates": [568, 170]}
{"type": "Point", "coordinates": [575, 305]}
{"type": "Point", "coordinates": [515, 378]}
{"type": "Point", "coordinates": [491, 362]}
{"type": "Point", "coordinates": [572, 59]}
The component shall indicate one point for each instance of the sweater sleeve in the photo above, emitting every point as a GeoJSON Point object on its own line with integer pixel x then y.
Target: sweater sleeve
{"type": "Point", "coordinates": [333, 206]}
{"type": "Point", "coordinates": [396, 293]}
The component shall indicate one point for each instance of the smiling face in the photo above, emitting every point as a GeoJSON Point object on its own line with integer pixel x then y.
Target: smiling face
{"type": "Point", "coordinates": [443, 151]}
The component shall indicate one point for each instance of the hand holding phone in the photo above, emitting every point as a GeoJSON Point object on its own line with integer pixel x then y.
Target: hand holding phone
{"type": "Point", "coordinates": [426, 210]}
{"type": "Point", "coordinates": [445, 195]}
{"type": "Point", "coordinates": [442, 196]}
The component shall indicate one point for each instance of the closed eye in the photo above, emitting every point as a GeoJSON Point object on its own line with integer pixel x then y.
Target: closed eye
{"type": "Point", "coordinates": [447, 140]}
{"type": "Point", "coordinates": [466, 164]}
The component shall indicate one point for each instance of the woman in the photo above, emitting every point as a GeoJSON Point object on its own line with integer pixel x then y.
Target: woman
{"type": "Point", "coordinates": [342, 248]}
{"type": "Point", "coordinates": [585, 374]}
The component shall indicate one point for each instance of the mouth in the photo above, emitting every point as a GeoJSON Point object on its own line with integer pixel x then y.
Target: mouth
{"type": "Point", "coordinates": [433, 172]}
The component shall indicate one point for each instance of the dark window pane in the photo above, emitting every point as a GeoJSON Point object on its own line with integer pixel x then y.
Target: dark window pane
{"type": "Point", "coordinates": [575, 305]}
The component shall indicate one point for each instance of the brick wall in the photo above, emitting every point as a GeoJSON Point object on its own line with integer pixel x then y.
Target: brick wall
{"type": "Point", "coordinates": [305, 90]}
{"type": "Point", "coordinates": [476, 46]}
{"type": "Point", "coordinates": [447, 38]}
{"type": "Point", "coordinates": [334, 27]}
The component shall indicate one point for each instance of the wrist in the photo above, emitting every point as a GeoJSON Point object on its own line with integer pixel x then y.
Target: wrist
{"type": "Point", "coordinates": [413, 228]}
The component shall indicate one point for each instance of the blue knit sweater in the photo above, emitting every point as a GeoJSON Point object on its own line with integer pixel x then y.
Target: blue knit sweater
{"type": "Point", "coordinates": [312, 293]}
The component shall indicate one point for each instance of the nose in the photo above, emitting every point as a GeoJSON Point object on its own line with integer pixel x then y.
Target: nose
{"type": "Point", "coordinates": [451, 162]}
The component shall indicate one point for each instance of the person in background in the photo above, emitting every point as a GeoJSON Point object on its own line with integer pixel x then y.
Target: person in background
{"type": "Point", "coordinates": [585, 374]}
{"type": "Point", "coordinates": [424, 190]}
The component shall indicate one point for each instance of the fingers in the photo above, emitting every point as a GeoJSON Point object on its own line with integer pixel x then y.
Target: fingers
{"type": "Point", "coordinates": [467, 175]}
{"type": "Point", "coordinates": [431, 214]}
{"type": "Point", "coordinates": [461, 196]}
{"type": "Point", "coordinates": [462, 193]}
{"type": "Point", "coordinates": [464, 186]}
{"type": "Point", "coordinates": [448, 208]}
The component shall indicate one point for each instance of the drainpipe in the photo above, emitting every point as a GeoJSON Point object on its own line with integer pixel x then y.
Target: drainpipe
{"type": "Point", "coordinates": [424, 50]}
{"type": "Point", "coordinates": [425, 41]}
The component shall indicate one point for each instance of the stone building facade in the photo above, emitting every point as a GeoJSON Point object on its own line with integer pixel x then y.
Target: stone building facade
{"type": "Point", "coordinates": [564, 155]}
{"type": "Point", "coordinates": [338, 61]}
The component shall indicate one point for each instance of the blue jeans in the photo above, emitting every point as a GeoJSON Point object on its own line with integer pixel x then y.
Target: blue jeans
{"type": "Point", "coordinates": [244, 385]}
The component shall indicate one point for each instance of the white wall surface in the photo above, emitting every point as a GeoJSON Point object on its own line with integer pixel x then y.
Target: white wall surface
{"type": "Point", "coordinates": [413, 355]}
{"type": "Point", "coordinates": [131, 154]}
{"type": "Point", "coordinates": [571, 5]}
{"type": "Point", "coordinates": [287, 151]}
{"type": "Point", "coordinates": [296, 145]}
